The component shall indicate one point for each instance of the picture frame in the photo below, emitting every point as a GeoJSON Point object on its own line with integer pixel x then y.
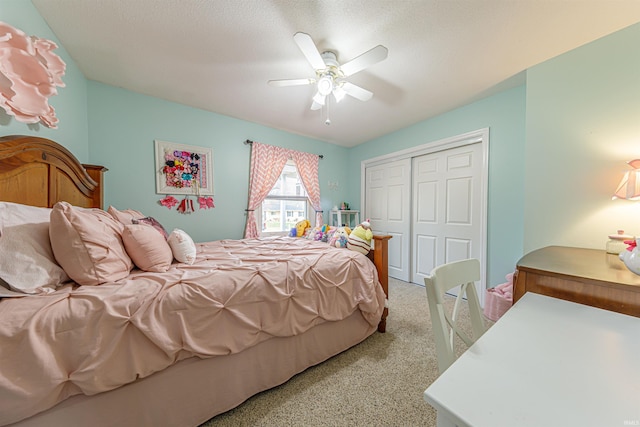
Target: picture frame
{"type": "Point", "coordinates": [183, 169]}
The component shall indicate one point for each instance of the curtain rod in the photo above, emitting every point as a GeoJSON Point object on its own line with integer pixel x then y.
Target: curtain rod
{"type": "Point", "coordinates": [248, 142]}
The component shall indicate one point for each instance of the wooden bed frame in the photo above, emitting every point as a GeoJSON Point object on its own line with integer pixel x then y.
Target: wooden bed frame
{"type": "Point", "coordinates": [40, 172]}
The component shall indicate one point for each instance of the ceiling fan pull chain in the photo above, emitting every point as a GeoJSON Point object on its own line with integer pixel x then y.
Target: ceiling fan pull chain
{"type": "Point", "coordinates": [328, 121]}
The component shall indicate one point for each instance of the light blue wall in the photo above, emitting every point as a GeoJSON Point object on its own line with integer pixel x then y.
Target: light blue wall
{"type": "Point", "coordinates": [583, 124]}
{"type": "Point", "coordinates": [557, 147]}
{"type": "Point", "coordinates": [123, 126]}
{"type": "Point", "coordinates": [504, 115]}
{"type": "Point", "coordinates": [70, 103]}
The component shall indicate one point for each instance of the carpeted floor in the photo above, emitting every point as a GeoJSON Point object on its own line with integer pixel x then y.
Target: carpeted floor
{"type": "Point", "coordinates": [379, 382]}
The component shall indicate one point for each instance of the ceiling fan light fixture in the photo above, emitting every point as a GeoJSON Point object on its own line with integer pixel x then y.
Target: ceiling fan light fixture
{"type": "Point", "coordinates": [325, 85]}
{"type": "Point", "coordinates": [330, 75]}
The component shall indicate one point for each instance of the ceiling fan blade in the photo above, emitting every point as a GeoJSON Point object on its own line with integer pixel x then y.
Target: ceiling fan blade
{"type": "Point", "coordinates": [361, 62]}
{"type": "Point", "coordinates": [318, 101]}
{"type": "Point", "coordinates": [339, 93]}
{"type": "Point", "coordinates": [356, 91]}
{"type": "Point", "coordinates": [310, 51]}
{"type": "Point", "coordinates": [291, 82]}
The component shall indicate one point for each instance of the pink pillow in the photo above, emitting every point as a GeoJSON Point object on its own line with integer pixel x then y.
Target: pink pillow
{"type": "Point", "coordinates": [126, 216]}
{"type": "Point", "coordinates": [87, 243]}
{"type": "Point", "coordinates": [153, 223]}
{"type": "Point", "coordinates": [147, 248]}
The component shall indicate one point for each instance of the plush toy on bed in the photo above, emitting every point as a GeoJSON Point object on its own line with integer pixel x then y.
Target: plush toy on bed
{"type": "Point", "coordinates": [301, 227]}
{"type": "Point", "coordinates": [320, 234]}
{"type": "Point", "coordinates": [313, 234]}
{"type": "Point", "coordinates": [360, 238]}
{"type": "Point", "coordinates": [327, 233]}
{"type": "Point", "coordinates": [339, 238]}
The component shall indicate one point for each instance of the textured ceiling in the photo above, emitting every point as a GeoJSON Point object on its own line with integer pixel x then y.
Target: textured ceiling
{"type": "Point", "coordinates": [218, 55]}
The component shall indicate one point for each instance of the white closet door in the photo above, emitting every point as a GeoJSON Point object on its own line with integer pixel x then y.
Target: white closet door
{"type": "Point", "coordinates": [447, 209]}
{"type": "Point", "coordinates": [388, 207]}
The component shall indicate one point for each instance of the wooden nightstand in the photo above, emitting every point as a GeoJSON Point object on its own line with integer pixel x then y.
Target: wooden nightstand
{"type": "Point", "coordinates": [586, 276]}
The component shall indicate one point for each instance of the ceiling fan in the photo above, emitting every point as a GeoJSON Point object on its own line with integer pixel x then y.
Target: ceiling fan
{"type": "Point", "coordinates": [330, 75]}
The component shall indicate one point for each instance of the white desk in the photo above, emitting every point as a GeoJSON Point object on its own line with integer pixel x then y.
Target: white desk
{"type": "Point", "coordinates": [546, 362]}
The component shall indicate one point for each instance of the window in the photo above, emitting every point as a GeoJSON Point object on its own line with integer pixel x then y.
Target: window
{"type": "Point", "coordinates": [267, 163]}
{"type": "Point", "coordinates": [286, 204]}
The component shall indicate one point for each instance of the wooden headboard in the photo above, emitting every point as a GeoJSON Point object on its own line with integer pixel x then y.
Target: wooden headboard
{"type": "Point", "coordinates": [39, 172]}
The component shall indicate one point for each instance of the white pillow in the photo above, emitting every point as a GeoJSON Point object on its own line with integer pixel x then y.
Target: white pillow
{"type": "Point", "coordinates": [27, 263]}
{"type": "Point", "coordinates": [182, 246]}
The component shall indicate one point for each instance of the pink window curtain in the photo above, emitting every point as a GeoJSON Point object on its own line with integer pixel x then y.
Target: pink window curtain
{"type": "Point", "coordinates": [307, 165]}
{"type": "Point", "coordinates": [267, 162]}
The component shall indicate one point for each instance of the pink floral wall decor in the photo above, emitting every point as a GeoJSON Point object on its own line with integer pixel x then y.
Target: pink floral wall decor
{"type": "Point", "coordinates": [183, 169]}
{"type": "Point", "coordinates": [29, 75]}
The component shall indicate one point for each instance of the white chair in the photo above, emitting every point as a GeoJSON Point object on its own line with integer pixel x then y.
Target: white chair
{"type": "Point", "coordinates": [445, 326]}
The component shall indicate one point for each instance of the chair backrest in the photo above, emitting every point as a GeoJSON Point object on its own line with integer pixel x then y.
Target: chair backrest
{"type": "Point", "coordinates": [445, 326]}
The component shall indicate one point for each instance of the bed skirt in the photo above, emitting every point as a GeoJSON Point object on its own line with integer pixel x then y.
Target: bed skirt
{"type": "Point", "coordinates": [194, 390]}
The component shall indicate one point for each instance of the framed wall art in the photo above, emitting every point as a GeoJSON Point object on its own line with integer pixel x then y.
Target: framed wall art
{"type": "Point", "coordinates": [183, 169]}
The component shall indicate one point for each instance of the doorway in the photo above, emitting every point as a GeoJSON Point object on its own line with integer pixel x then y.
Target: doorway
{"type": "Point", "coordinates": [433, 200]}
{"type": "Point", "coordinates": [388, 208]}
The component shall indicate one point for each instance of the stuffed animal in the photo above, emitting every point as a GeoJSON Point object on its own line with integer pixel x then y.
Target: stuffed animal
{"type": "Point", "coordinates": [314, 233]}
{"type": "Point", "coordinates": [320, 234]}
{"type": "Point", "coordinates": [301, 227]}
{"type": "Point", "coordinates": [327, 233]}
{"type": "Point", "coordinates": [360, 238]}
{"type": "Point", "coordinates": [324, 237]}
{"type": "Point", "coordinates": [339, 238]}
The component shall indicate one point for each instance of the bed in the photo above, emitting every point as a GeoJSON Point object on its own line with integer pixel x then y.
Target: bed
{"type": "Point", "coordinates": [173, 347]}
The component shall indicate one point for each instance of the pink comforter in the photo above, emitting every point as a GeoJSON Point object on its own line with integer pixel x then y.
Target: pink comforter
{"type": "Point", "coordinates": [237, 294]}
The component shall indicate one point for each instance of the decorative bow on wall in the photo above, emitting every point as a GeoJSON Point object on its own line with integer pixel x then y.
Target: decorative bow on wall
{"type": "Point", "coordinates": [185, 206]}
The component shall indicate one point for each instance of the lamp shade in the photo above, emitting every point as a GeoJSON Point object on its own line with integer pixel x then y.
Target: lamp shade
{"type": "Point", "coordinates": [629, 187]}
